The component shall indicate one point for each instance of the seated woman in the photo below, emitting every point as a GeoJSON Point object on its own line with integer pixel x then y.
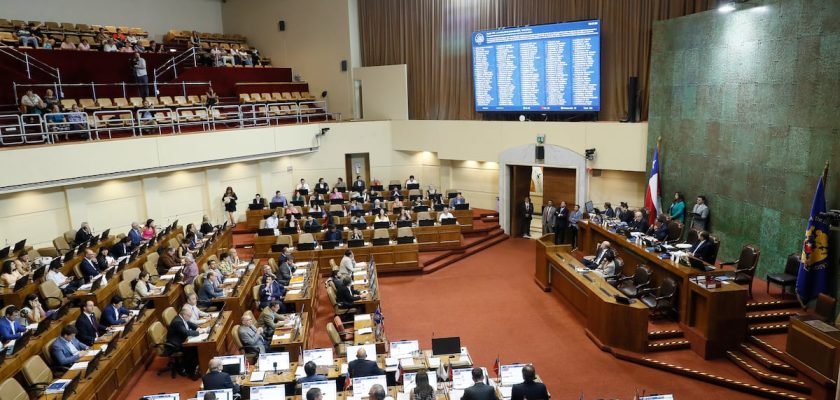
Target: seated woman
{"type": "Point", "coordinates": [9, 273]}
{"type": "Point", "coordinates": [149, 230]}
{"type": "Point", "coordinates": [317, 211]}
{"type": "Point", "coordinates": [142, 287]}
{"type": "Point", "coordinates": [381, 217]}
{"type": "Point", "coordinates": [336, 195]}
{"type": "Point", "coordinates": [405, 215]}
{"type": "Point", "coordinates": [32, 310]}
{"type": "Point", "coordinates": [104, 259]}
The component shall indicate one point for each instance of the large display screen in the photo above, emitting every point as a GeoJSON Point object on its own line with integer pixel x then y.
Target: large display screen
{"type": "Point", "coordinates": [554, 67]}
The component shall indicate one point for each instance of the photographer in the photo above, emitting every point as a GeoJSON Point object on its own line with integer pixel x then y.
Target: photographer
{"type": "Point", "coordinates": [138, 68]}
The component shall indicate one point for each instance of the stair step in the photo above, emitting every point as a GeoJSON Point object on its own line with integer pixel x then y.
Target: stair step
{"type": "Point", "coordinates": [674, 333]}
{"type": "Point", "coordinates": [768, 378]}
{"type": "Point", "coordinates": [765, 362]}
{"type": "Point", "coordinates": [770, 316]}
{"type": "Point", "coordinates": [768, 328]}
{"type": "Point", "coordinates": [767, 347]}
{"type": "Point", "coordinates": [669, 345]}
{"type": "Point", "coordinates": [772, 305]}
{"type": "Point", "coordinates": [470, 250]}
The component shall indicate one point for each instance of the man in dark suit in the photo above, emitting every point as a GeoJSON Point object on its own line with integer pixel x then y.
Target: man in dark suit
{"type": "Point", "coordinates": [659, 230]}
{"type": "Point", "coordinates": [87, 326]}
{"type": "Point", "coordinates": [638, 224]}
{"type": "Point", "coordinates": [529, 389]}
{"type": "Point", "coordinates": [89, 266]}
{"type": "Point", "coordinates": [83, 234]}
{"type": "Point", "coordinates": [525, 210]}
{"type": "Point", "coordinates": [218, 379]}
{"type": "Point", "coordinates": [480, 390]}
{"type": "Point", "coordinates": [332, 234]}
{"type": "Point", "coordinates": [115, 313]}
{"type": "Point", "coordinates": [345, 295]}
{"type": "Point", "coordinates": [592, 262]}
{"type": "Point", "coordinates": [608, 210]}
{"type": "Point", "coordinates": [181, 329]}
{"type": "Point", "coordinates": [361, 366]}
{"type": "Point", "coordinates": [561, 223]}
{"type": "Point", "coordinates": [284, 272]}
{"type": "Point", "coordinates": [122, 248]}
{"type": "Point", "coordinates": [704, 249]}
{"type": "Point", "coordinates": [358, 184]}
{"type": "Point", "coordinates": [310, 368]}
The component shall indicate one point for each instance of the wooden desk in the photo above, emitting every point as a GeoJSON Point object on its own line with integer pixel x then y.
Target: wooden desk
{"type": "Point", "coordinates": [453, 360]}
{"type": "Point", "coordinates": [608, 323]}
{"type": "Point", "coordinates": [306, 298]}
{"type": "Point", "coordinates": [11, 365]}
{"type": "Point", "coordinates": [298, 339]}
{"type": "Point", "coordinates": [218, 343]}
{"type": "Point", "coordinates": [813, 347]}
{"type": "Point", "coordinates": [368, 303]}
{"type": "Point", "coordinates": [389, 258]}
{"type": "Point", "coordinates": [368, 338]}
{"type": "Point", "coordinates": [114, 370]}
{"type": "Point", "coordinates": [281, 377]}
{"type": "Point", "coordinates": [716, 318]}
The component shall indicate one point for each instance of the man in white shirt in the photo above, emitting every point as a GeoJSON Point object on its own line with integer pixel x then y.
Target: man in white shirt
{"type": "Point", "coordinates": [197, 316]}
{"type": "Point", "coordinates": [411, 181]}
{"type": "Point", "coordinates": [348, 262]}
{"type": "Point", "coordinates": [139, 65]}
{"type": "Point", "coordinates": [445, 214]}
{"type": "Point", "coordinates": [273, 221]}
{"type": "Point", "coordinates": [302, 185]}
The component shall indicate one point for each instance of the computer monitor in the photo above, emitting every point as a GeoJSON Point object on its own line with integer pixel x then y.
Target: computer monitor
{"type": "Point", "coordinates": [4, 253]}
{"type": "Point", "coordinates": [327, 389]}
{"type": "Point", "coordinates": [448, 221]}
{"type": "Point", "coordinates": [273, 205]}
{"type": "Point", "coordinates": [404, 348]}
{"type": "Point", "coordinates": [410, 380]}
{"type": "Point", "coordinates": [268, 392]}
{"type": "Point", "coordinates": [426, 222]}
{"type": "Point", "coordinates": [369, 348]}
{"type": "Point", "coordinates": [356, 243]}
{"type": "Point", "coordinates": [381, 241]}
{"type": "Point", "coordinates": [412, 186]}
{"type": "Point", "coordinates": [446, 345]}
{"type": "Point", "coordinates": [278, 247]}
{"type": "Point", "coordinates": [511, 374]}
{"type": "Point", "coordinates": [403, 224]}
{"type": "Point", "coordinates": [361, 386]}
{"type": "Point", "coordinates": [105, 234]}
{"type": "Point", "coordinates": [162, 396]}
{"type": "Point", "coordinates": [267, 361]}
{"type": "Point", "coordinates": [439, 207]}
{"type": "Point", "coordinates": [233, 365]}
{"type": "Point", "coordinates": [19, 246]}
{"type": "Point", "coordinates": [462, 206]}
{"type": "Point", "coordinates": [322, 357]}
{"type": "Point", "coordinates": [265, 232]}
{"type": "Point", "coordinates": [589, 207]}
{"type": "Point", "coordinates": [221, 394]}
{"type": "Point", "coordinates": [381, 225]}
{"type": "Point", "coordinates": [329, 245]}
{"type": "Point", "coordinates": [462, 378]}
{"type": "Point", "coordinates": [256, 206]}
{"type": "Point", "coordinates": [306, 246]}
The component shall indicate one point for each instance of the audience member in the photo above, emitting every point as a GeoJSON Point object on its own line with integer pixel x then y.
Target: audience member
{"type": "Point", "coordinates": [29, 102]}
{"type": "Point", "coordinates": [83, 45]}
{"type": "Point", "coordinates": [25, 36]}
{"type": "Point", "coordinates": [66, 349]}
{"type": "Point", "coordinates": [218, 379]}
{"type": "Point", "coordinates": [10, 274]}
{"type": "Point", "coordinates": [88, 327]}
{"type": "Point", "coordinates": [479, 390]}
{"type": "Point", "coordinates": [362, 367]}
{"type": "Point", "coordinates": [251, 335]}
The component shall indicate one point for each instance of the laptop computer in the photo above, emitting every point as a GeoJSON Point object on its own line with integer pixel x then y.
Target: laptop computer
{"type": "Point", "coordinates": [93, 241]}
{"type": "Point", "coordinates": [337, 213]}
{"type": "Point", "coordinates": [462, 206]}
{"type": "Point", "coordinates": [451, 195]}
{"type": "Point", "coordinates": [426, 222]}
{"type": "Point", "coordinates": [356, 243]}
{"type": "Point", "coordinates": [257, 206]}
{"type": "Point", "coordinates": [21, 343]}
{"type": "Point", "coordinates": [303, 192]}
{"type": "Point", "coordinates": [381, 225]}
{"type": "Point", "coordinates": [19, 246]}
{"type": "Point", "coordinates": [312, 229]}
{"type": "Point", "coordinates": [405, 239]}
{"type": "Point", "coordinates": [329, 245]}
{"type": "Point", "coordinates": [42, 326]}
{"type": "Point", "coordinates": [381, 241]}
{"type": "Point", "coordinates": [448, 221]}
{"type": "Point", "coordinates": [93, 363]}
{"type": "Point", "coordinates": [5, 252]}
{"type": "Point", "coordinates": [21, 283]}
{"type": "Point", "coordinates": [336, 201]}
{"type": "Point", "coordinates": [403, 224]}
{"type": "Point", "coordinates": [438, 207]}
{"type": "Point", "coordinates": [420, 208]}
{"type": "Point", "coordinates": [70, 389]}
{"type": "Point", "coordinates": [265, 232]}
{"type": "Point", "coordinates": [306, 246]}
{"type": "Point", "coordinates": [298, 203]}
{"type": "Point", "coordinates": [105, 234]}
{"type": "Point", "coordinates": [39, 273]}
{"type": "Point", "coordinates": [274, 205]}
{"type": "Point", "coordinates": [412, 186]}
{"type": "Point", "coordinates": [278, 247]}
{"type": "Point", "coordinates": [360, 225]}
{"type": "Point", "coordinates": [289, 230]}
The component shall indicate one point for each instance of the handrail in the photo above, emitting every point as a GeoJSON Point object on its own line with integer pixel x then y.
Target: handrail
{"type": "Point", "coordinates": [30, 62]}
{"type": "Point", "coordinates": [174, 62]}
{"type": "Point", "coordinates": [59, 87]}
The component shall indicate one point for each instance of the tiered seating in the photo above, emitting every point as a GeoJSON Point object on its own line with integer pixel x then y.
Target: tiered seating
{"type": "Point", "coordinates": [177, 36]}
{"type": "Point", "coordinates": [75, 32]}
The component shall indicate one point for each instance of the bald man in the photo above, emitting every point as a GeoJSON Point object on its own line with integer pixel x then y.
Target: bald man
{"type": "Point", "coordinates": [218, 379]}
{"type": "Point", "coordinates": [361, 366]}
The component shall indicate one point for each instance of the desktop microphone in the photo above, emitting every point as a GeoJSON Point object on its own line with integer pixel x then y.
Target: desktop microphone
{"type": "Point", "coordinates": [275, 367]}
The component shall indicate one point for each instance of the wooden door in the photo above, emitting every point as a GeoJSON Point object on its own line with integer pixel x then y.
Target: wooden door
{"type": "Point", "coordinates": [559, 184]}
{"type": "Point", "coordinates": [520, 186]}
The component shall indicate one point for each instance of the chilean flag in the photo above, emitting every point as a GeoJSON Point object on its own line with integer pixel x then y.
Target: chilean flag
{"type": "Point", "coordinates": [652, 194]}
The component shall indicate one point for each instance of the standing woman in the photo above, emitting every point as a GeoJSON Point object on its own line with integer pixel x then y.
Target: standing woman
{"type": "Point", "coordinates": [677, 209]}
{"type": "Point", "coordinates": [229, 199]}
{"type": "Point", "coordinates": [148, 230]}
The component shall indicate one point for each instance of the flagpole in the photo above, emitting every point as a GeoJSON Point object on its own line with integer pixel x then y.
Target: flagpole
{"type": "Point", "coordinates": [825, 173]}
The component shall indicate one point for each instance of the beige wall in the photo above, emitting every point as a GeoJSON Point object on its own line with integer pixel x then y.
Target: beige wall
{"type": "Point", "coordinates": [156, 16]}
{"type": "Point", "coordinates": [384, 92]}
{"type": "Point", "coordinates": [317, 38]}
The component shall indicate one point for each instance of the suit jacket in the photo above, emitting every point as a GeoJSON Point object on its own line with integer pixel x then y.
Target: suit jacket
{"type": "Point", "coordinates": [344, 296]}
{"type": "Point", "coordinates": [119, 250]}
{"type": "Point", "coordinates": [111, 316]}
{"type": "Point", "coordinates": [525, 210]}
{"type": "Point", "coordinates": [267, 321]}
{"type": "Point", "coordinates": [275, 292]}
{"type": "Point", "coordinates": [249, 337]}
{"type": "Point", "coordinates": [284, 273]}
{"type": "Point", "coordinates": [165, 262]}
{"type": "Point", "coordinates": [359, 368]}
{"type": "Point", "coordinates": [561, 217]}
{"type": "Point", "coordinates": [333, 236]}
{"type": "Point", "coordinates": [219, 380]}
{"type": "Point", "coordinates": [358, 185]}
{"type": "Point", "coordinates": [548, 215]}
{"type": "Point", "coordinates": [529, 391]}
{"type": "Point", "coordinates": [209, 291]}
{"type": "Point", "coordinates": [88, 329]}
{"type": "Point", "coordinates": [704, 250]}
{"type": "Point", "coordinates": [610, 213]}
{"type": "Point", "coordinates": [480, 391]}
{"type": "Point", "coordinates": [313, 378]}
{"type": "Point", "coordinates": [62, 355]}
{"type": "Point", "coordinates": [89, 269]}
{"type": "Point", "coordinates": [660, 234]}
{"type": "Point", "coordinates": [179, 331]}
{"type": "Point", "coordinates": [638, 226]}
{"type": "Point", "coordinates": [6, 329]}
{"type": "Point", "coordinates": [135, 236]}
{"type": "Point", "coordinates": [82, 236]}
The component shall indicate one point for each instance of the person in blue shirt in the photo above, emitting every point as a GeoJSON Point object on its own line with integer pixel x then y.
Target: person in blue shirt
{"type": "Point", "coordinates": [458, 199]}
{"type": "Point", "coordinates": [66, 349]}
{"type": "Point", "coordinates": [332, 235]}
{"type": "Point", "coordinates": [210, 289]}
{"type": "Point", "coordinates": [115, 313]}
{"type": "Point", "coordinates": [56, 121]}
{"type": "Point", "coordinates": [677, 209]}
{"type": "Point", "coordinates": [279, 198]}
{"type": "Point", "coordinates": [89, 265]}
{"type": "Point", "coordinates": [10, 328]}
{"type": "Point", "coordinates": [135, 234]}
{"type": "Point", "coordinates": [574, 217]}
{"type": "Point", "coordinates": [309, 368]}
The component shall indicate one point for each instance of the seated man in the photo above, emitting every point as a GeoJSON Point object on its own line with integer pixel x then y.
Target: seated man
{"type": "Point", "coordinates": [89, 266]}
{"type": "Point", "coordinates": [332, 235]}
{"type": "Point", "coordinates": [411, 181]}
{"type": "Point", "coordinates": [10, 328]}
{"type": "Point", "coordinates": [377, 392]}
{"type": "Point", "coordinates": [445, 214]}
{"type": "Point", "coordinates": [592, 262]}
{"type": "Point", "coordinates": [167, 260]}
{"type": "Point", "coordinates": [181, 329]}
{"type": "Point", "coordinates": [269, 317]}
{"type": "Point", "coordinates": [479, 390]}
{"type": "Point", "coordinates": [115, 313]}
{"type": "Point", "coordinates": [608, 265]}
{"type": "Point", "coordinates": [270, 291]}
{"type": "Point", "coordinates": [358, 184]}
{"type": "Point", "coordinates": [309, 368]}
{"type": "Point", "coordinates": [210, 289]}
{"type": "Point", "coordinates": [279, 198]}
{"type": "Point", "coordinates": [122, 248]}
{"type": "Point", "coordinates": [345, 294]}
{"type": "Point", "coordinates": [218, 379]}
{"type": "Point", "coordinates": [66, 349]}
{"type": "Point", "coordinates": [88, 329]}
{"type": "Point", "coordinates": [273, 221]}
{"type": "Point", "coordinates": [340, 184]}
{"type": "Point", "coordinates": [458, 199]}
{"type": "Point", "coordinates": [311, 224]}
{"type": "Point", "coordinates": [83, 234]}
{"type": "Point", "coordinates": [530, 389]}
{"type": "Point", "coordinates": [659, 230]}
{"type": "Point", "coordinates": [251, 336]}
{"type": "Point", "coordinates": [361, 366]}
{"type": "Point", "coordinates": [321, 186]}
{"type": "Point", "coordinates": [258, 200]}
{"type": "Point", "coordinates": [704, 249]}
{"type": "Point", "coordinates": [302, 185]}
{"type": "Point", "coordinates": [638, 224]}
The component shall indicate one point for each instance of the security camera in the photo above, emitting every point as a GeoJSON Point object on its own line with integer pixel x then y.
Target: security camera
{"type": "Point", "coordinates": [324, 131]}
{"type": "Point", "coordinates": [590, 154]}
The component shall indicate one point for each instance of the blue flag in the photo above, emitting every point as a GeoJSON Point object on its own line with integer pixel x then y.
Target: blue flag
{"type": "Point", "coordinates": [813, 264]}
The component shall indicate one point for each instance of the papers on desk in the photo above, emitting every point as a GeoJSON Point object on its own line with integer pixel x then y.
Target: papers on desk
{"type": "Point", "coordinates": [582, 270]}
{"type": "Point", "coordinates": [344, 368]}
{"type": "Point", "coordinates": [57, 386]}
{"type": "Point", "coordinates": [116, 328]}
{"type": "Point", "coordinates": [174, 270]}
{"type": "Point", "coordinates": [391, 361]}
{"type": "Point", "coordinates": [257, 376]}
{"type": "Point", "coordinates": [86, 286]}
{"type": "Point", "coordinates": [293, 292]}
{"type": "Point", "coordinates": [90, 353]}
{"type": "Point", "coordinates": [103, 347]}
{"type": "Point", "coordinates": [231, 280]}
{"type": "Point", "coordinates": [167, 277]}
{"type": "Point", "coordinates": [300, 271]}
{"type": "Point", "coordinates": [434, 362]}
{"type": "Point", "coordinates": [134, 313]}
{"type": "Point", "coordinates": [456, 394]}
{"type": "Point", "coordinates": [299, 372]}
{"type": "Point", "coordinates": [298, 285]}
{"type": "Point", "coordinates": [507, 391]}
{"type": "Point", "coordinates": [285, 336]}
{"type": "Point", "coordinates": [402, 396]}
{"type": "Point", "coordinates": [301, 263]}
{"type": "Point", "coordinates": [32, 326]}
{"type": "Point", "coordinates": [407, 362]}
{"type": "Point", "coordinates": [214, 314]}
{"type": "Point", "coordinates": [79, 365]}
{"type": "Point", "coordinates": [361, 317]}
{"type": "Point", "coordinates": [361, 264]}
{"type": "Point", "coordinates": [242, 264]}
{"type": "Point", "coordinates": [364, 331]}
{"type": "Point", "coordinates": [359, 273]}
{"type": "Point", "coordinates": [200, 338]}
{"type": "Point", "coordinates": [360, 282]}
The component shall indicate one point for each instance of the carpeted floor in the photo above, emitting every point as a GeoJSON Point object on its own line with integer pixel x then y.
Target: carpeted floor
{"type": "Point", "coordinates": [492, 303]}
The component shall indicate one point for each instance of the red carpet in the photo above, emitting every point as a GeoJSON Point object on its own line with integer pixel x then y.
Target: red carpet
{"type": "Point", "coordinates": [491, 302]}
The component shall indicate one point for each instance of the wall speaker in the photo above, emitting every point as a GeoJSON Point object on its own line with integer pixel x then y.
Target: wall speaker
{"type": "Point", "coordinates": [281, 25]}
{"type": "Point", "coordinates": [632, 99]}
{"type": "Point", "coordinates": [540, 153]}
{"type": "Point", "coordinates": [344, 65]}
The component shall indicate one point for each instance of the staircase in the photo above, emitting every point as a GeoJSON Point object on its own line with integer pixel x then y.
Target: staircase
{"type": "Point", "coordinates": [766, 368]}
{"type": "Point", "coordinates": [486, 233]}
{"type": "Point", "coordinates": [667, 340]}
{"type": "Point", "coordinates": [769, 317]}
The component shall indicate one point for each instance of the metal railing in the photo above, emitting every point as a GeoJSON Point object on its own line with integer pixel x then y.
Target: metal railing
{"type": "Point", "coordinates": [30, 63]}
{"type": "Point", "coordinates": [59, 87]}
{"type": "Point", "coordinates": [35, 128]}
{"type": "Point", "coordinates": [186, 56]}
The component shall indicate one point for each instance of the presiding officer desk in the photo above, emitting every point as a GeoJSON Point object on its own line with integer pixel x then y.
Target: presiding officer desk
{"type": "Point", "coordinates": [713, 319]}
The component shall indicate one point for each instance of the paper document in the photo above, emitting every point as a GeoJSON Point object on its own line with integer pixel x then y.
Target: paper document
{"type": "Point", "coordinates": [257, 376]}
{"type": "Point", "coordinates": [364, 331]}
{"type": "Point", "coordinates": [285, 336]}
{"type": "Point", "coordinates": [359, 273]}
{"type": "Point", "coordinates": [506, 391]}
{"type": "Point", "coordinates": [90, 353]}
{"type": "Point", "coordinates": [301, 264]}
{"type": "Point", "coordinates": [359, 282]}
{"type": "Point", "coordinates": [116, 328]}
{"type": "Point", "coordinates": [32, 326]}
{"type": "Point", "coordinates": [299, 372]}
{"type": "Point", "coordinates": [407, 362]}
{"type": "Point", "coordinates": [362, 317]}
{"type": "Point", "coordinates": [79, 365]}
{"type": "Point", "coordinates": [86, 286]}
{"type": "Point", "coordinates": [434, 362]}
{"type": "Point", "coordinates": [293, 291]}
{"type": "Point", "coordinates": [300, 271]}
{"type": "Point", "coordinates": [167, 277]}
{"type": "Point", "coordinates": [200, 338]}
{"type": "Point", "coordinates": [344, 368]}
{"type": "Point", "coordinates": [231, 280]}
{"type": "Point", "coordinates": [57, 386]}
{"type": "Point", "coordinates": [391, 361]}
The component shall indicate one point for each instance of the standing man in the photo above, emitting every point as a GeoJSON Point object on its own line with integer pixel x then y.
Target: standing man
{"type": "Point", "coordinates": [526, 212]}
{"type": "Point", "coordinates": [700, 214]}
{"type": "Point", "coordinates": [138, 65]}
{"type": "Point", "coordinates": [548, 217]}
{"type": "Point", "coordinates": [574, 217]}
{"type": "Point", "coordinates": [561, 223]}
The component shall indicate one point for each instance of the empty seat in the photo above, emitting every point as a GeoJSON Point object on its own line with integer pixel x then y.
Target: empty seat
{"type": "Point", "coordinates": [182, 101]}
{"type": "Point", "coordinates": [121, 102]}
{"type": "Point", "coordinates": [136, 101]}
{"type": "Point", "coordinates": [7, 37]}
{"type": "Point", "coordinates": [69, 27]}
{"type": "Point", "coordinates": [89, 105]}
{"type": "Point", "coordinates": [266, 97]}
{"type": "Point", "coordinates": [296, 96]}
{"type": "Point", "coordinates": [167, 101]}
{"type": "Point", "coordinates": [276, 96]}
{"type": "Point", "coordinates": [187, 115]}
{"type": "Point", "coordinates": [153, 101]}
{"type": "Point", "coordinates": [287, 96]}
{"type": "Point", "coordinates": [68, 103]}
{"type": "Point", "coordinates": [244, 98]}
{"type": "Point", "coordinates": [201, 115]}
{"type": "Point", "coordinates": [163, 117]}
{"type": "Point", "coordinates": [106, 104]}
{"type": "Point", "coordinates": [195, 100]}
{"type": "Point", "coordinates": [307, 96]}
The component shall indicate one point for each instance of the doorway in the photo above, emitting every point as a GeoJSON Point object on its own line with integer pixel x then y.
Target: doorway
{"type": "Point", "coordinates": [356, 164]}
{"type": "Point", "coordinates": [541, 184]}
